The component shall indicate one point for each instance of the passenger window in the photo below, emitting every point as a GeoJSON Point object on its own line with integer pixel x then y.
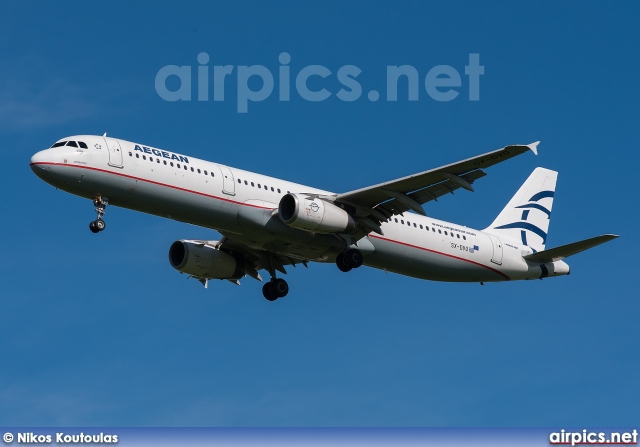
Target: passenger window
{"type": "Point", "coordinates": [84, 146]}
{"type": "Point", "coordinates": [259, 185]}
{"type": "Point", "coordinates": [165, 162]}
{"type": "Point", "coordinates": [58, 144]}
{"type": "Point", "coordinates": [185, 168]}
{"type": "Point", "coordinates": [137, 155]}
{"type": "Point", "coordinates": [144, 157]}
{"type": "Point", "coordinates": [72, 144]}
{"type": "Point", "coordinates": [402, 221]}
{"type": "Point", "coordinates": [252, 185]}
{"type": "Point", "coordinates": [245, 182]}
{"type": "Point", "coordinates": [440, 231]}
{"type": "Point", "coordinates": [445, 233]}
{"type": "Point", "coordinates": [158, 160]}
{"type": "Point", "coordinates": [130, 154]}
{"type": "Point", "coordinates": [206, 173]}
{"type": "Point", "coordinates": [178, 165]}
{"type": "Point", "coordinates": [265, 187]}
{"type": "Point", "coordinates": [191, 169]}
{"type": "Point", "coordinates": [395, 219]}
{"type": "Point", "coordinates": [199, 171]}
{"type": "Point", "coordinates": [464, 237]}
{"type": "Point", "coordinates": [421, 227]}
{"type": "Point", "coordinates": [458, 236]}
{"type": "Point", "coordinates": [278, 190]}
{"type": "Point", "coordinates": [212, 174]}
{"type": "Point", "coordinates": [171, 163]}
{"type": "Point", "coordinates": [272, 189]}
{"type": "Point", "coordinates": [414, 225]}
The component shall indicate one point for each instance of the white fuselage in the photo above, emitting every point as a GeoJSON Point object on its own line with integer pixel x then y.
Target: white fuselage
{"type": "Point", "coordinates": [242, 205]}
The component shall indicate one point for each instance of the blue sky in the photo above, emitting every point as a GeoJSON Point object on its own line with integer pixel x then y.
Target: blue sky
{"type": "Point", "coordinates": [100, 330]}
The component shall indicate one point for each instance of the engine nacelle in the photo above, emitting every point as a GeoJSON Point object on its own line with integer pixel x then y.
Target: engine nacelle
{"type": "Point", "coordinates": [203, 260]}
{"type": "Point", "coordinates": [314, 215]}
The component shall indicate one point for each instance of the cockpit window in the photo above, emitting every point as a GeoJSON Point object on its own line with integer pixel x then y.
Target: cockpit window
{"type": "Point", "coordinates": [72, 144]}
{"type": "Point", "coordinates": [82, 145]}
{"type": "Point", "coordinates": [59, 143]}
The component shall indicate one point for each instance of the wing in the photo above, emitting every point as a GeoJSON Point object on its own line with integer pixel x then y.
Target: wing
{"type": "Point", "coordinates": [375, 204]}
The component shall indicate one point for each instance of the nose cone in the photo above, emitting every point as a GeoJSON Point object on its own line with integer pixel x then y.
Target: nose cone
{"type": "Point", "coordinates": [41, 162]}
{"type": "Point", "coordinates": [41, 157]}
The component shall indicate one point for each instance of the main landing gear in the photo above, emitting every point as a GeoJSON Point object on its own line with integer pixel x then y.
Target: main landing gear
{"type": "Point", "coordinates": [274, 289]}
{"type": "Point", "coordinates": [277, 287]}
{"type": "Point", "coordinates": [350, 259]}
{"type": "Point", "coordinates": [99, 225]}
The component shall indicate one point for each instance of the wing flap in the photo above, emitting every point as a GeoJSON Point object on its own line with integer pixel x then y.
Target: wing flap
{"type": "Point", "coordinates": [564, 251]}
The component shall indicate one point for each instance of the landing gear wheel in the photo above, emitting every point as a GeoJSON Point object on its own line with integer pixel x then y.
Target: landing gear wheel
{"type": "Point", "coordinates": [341, 264]}
{"type": "Point", "coordinates": [274, 289]}
{"type": "Point", "coordinates": [353, 258]}
{"type": "Point", "coordinates": [350, 259]}
{"type": "Point", "coordinates": [266, 291]}
{"type": "Point", "coordinates": [97, 226]}
{"type": "Point", "coordinates": [279, 287]}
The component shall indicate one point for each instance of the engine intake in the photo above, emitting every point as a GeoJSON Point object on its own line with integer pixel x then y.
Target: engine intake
{"type": "Point", "coordinates": [203, 260]}
{"type": "Point", "coordinates": [314, 215]}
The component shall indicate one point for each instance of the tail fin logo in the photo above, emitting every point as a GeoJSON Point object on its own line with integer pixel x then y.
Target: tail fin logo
{"type": "Point", "coordinates": [528, 226]}
{"type": "Point", "coordinates": [527, 215]}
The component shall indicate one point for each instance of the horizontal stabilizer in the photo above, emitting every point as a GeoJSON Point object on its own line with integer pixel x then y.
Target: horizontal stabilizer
{"type": "Point", "coordinates": [564, 251]}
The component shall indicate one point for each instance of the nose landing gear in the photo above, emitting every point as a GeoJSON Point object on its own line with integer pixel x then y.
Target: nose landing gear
{"type": "Point", "coordinates": [99, 225]}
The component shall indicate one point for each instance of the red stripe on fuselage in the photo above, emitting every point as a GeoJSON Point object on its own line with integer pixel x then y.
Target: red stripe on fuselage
{"type": "Point", "coordinates": [153, 182]}
{"type": "Point", "coordinates": [440, 253]}
{"type": "Point", "coordinates": [263, 207]}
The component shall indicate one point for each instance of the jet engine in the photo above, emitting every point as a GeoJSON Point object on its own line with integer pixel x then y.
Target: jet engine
{"type": "Point", "coordinates": [314, 215]}
{"type": "Point", "coordinates": [202, 260]}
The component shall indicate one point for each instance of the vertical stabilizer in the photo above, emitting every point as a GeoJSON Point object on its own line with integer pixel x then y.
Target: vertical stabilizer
{"type": "Point", "coordinates": [526, 216]}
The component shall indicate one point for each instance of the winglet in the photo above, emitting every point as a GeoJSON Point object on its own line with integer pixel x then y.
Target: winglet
{"type": "Point", "coordinates": [534, 147]}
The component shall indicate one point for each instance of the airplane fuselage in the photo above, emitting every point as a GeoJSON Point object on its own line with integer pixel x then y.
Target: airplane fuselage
{"type": "Point", "coordinates": [243, 205]}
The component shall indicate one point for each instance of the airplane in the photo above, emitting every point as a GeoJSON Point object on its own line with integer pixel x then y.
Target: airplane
{"type": "Point", "coordinates": [268, 223]}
